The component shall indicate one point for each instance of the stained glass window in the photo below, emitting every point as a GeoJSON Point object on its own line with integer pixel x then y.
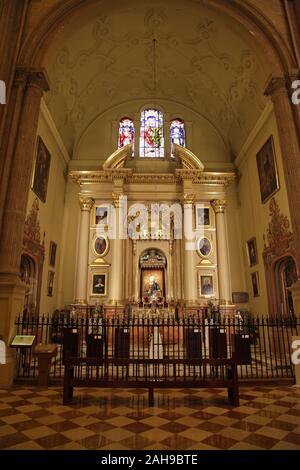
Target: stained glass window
{"type": "Point", "coordinates": [126, 132]}
{"type": "Point", "coordinates": [151, 134]}
{"type": "Point", "coordinates": [177, 133]}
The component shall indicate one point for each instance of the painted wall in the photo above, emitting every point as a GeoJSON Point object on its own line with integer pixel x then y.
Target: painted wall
{"type": "Point", "coordinates": [253, 215]}
{"type": "Point", "coordinates": [51, 213]}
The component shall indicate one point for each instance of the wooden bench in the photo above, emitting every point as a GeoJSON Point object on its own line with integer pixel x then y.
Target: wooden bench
{"type": "Point", "coordinates": [150, 374]}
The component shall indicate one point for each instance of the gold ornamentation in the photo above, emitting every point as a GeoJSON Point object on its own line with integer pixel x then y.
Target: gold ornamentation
{"type": "Point", "coordinates": [86, 178]}
{"type": "Point", "coordinates": [117, 199]}
{"type": "Point", "coordinates": [32, 227]}
{"type": "Point", "coordinates": [279, 234]}
{"type": "Point", "coordinates": [86, 203]}
{"type": "Point", "coordinates": [219, 205]}
{"type": "Point", "coordinates": [189, 198]}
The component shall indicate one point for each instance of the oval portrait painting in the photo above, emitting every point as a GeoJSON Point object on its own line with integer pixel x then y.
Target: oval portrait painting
{"type": "Point", "coordinates": [101, 246]}
{"type": "Point", "coordinates": [204, 247]}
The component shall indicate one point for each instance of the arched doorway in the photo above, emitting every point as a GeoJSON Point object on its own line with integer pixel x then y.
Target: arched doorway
{"type": "Point", "coordinates": [28, 274]}
{"type": "Point", "coordinates": [152, 266]}
{"type": "Point", "coordinates": [285, 273]}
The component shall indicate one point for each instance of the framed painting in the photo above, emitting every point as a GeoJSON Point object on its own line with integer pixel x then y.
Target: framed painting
{"type": "Point", "coordinates": [204, 247]}
{"type": "Point", "coordinates": [101, 245]}
{"type": "Point", "coordinates": [50, 283]}
{"type": "Point", "coordinates": [267, 171]}
{"type": "Point", "coordinates": [203, 216]}
{"type": "Point", "coordinates": [206, 285]}
{"type": "Point", "coordinates": [41, 170]}
{"type": "Point", "coordinates": [152, 283]}
{"type": "Point", "coordinates": [255, 284]}
{"type": "Point", "coordinates": [99, 284]}
{"type": "Point", "coordinates": [252, 252]}
{"type": "Point", "coordinates": [101, 215]}
{"type": "Point", "coordinates": [52, 254]}
{"type": "Point", "coordinates": [240, 297]}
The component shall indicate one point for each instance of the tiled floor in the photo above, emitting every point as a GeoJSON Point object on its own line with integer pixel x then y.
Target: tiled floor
{"type": "Point", "coordinates": [267, 418]}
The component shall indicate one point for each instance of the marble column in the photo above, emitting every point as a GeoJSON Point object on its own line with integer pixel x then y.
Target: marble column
{"type": "Point", "coordinates": [86, 204]}
{"type": "Point", "coordinates": [219, 206]}
{"type": "Point", "coordinates": [116, 272]}
{"type": "Point", "coordinates": [278, 90]}
{"type": "Point", "coordinates": [189, 275]}
{"type": "Point", "coordinates": [11, 288]}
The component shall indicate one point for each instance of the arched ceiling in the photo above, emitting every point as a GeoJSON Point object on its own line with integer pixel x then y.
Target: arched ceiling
{"type": "Point", "coordinates": [103, 56]}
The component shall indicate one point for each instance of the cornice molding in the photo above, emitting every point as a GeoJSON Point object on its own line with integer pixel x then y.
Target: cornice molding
{"type": "Point", "coordinates": [197, 177]}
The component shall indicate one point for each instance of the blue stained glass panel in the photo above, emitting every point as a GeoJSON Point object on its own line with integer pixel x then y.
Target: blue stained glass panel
{"type": "Point", "coordinates": [177, 133]}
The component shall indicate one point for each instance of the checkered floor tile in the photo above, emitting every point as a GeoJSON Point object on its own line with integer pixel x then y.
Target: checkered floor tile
{"type": "Point", "coordinates": [34, 418]}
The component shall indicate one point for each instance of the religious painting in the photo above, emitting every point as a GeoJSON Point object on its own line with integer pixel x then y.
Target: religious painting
{"type": "Point", "coordinates": [252, 252]}
{"type": "Point", "coordinates": [101, 215]}
{"type": "Point", "coordinates": [52, 254]}
{"type": "Point", "coordinates": [151, 134]}
{"type": "Point", "coordinates": [255, 284]}
{"type": "Point", "coordinates": [99, 284]}
{"type": "Point", "coordinates": [126, 132]}
{"type": "Point", "coordinates": [50, 283]}
{"type": "Point", "coordinates": [152, 284]}
{"type": "Point", "coordinates": [41, 170]}
{"type": "Point", "coordinates": [203, 216]}
{"type": "Point", "coordinates": [101, 245]}
{"type": "Point", "coordinates": [206, 282]}
{"type": "Point", "coordinates": [267, 171]}
{"type": "Point", "coordinates": [204, 247]}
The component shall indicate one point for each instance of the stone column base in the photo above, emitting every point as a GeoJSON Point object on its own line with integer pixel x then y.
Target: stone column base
{"type": "Point", "coordinates": [12, 293]}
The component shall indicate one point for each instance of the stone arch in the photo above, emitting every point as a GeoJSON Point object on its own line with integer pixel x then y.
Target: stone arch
{"type": "Point", "coordinates": [265, 33]}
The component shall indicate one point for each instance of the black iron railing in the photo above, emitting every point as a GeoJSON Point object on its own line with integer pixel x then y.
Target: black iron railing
{"type": "Point", "coordinates": [262, 346]}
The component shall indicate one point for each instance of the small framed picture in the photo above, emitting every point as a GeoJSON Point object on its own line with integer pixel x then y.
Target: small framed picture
{"type": "Point", "coordinates": [203, 216]}
{"type": "Point", "coordinates": [101, 215]}
{"type": "Point", "coordinates": [206, 285]}
{"type": "Point", "coordinates": [101, 246]}
{"type": "Point", "coordinates": [267, 171]}
{"type": "Point", "coordinates": [252, 252]}
{"type": "Point", "coordinates": [52, 254]}
{"type": "Point", "coordinates": [240, 297]}
{"type": "Point", "coordinates": [99, 284]}
{"type": "Point", "coordinates": [41, 170]}
{"type": "Point", "coordinates": [204, 247]}
{"type": "Point", "coordinates": [255, 284]}
{"type": "Point", "coordinates": [50, 284]}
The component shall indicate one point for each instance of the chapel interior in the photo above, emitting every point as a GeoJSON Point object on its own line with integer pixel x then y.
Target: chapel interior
{"type": "Point", "coordinates": [150, 165]}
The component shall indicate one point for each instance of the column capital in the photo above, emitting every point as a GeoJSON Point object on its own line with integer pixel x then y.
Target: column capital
{"type": "Point", "coordinates": [32, 77]}
{"type": "Point", "coordinates": [281, 83]}
{"type": "Point", "coordinates": [188, 198]}
{"type": "Point", "coordinates": [86, 203]}
{"type": "Point", "coordinates": [117, 199]}
{"type": "Point", "coordinates": [219, 205]}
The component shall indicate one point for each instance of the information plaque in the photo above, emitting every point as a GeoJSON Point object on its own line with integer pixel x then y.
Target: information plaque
{"type": "Point", "coordinates": [23, 341]}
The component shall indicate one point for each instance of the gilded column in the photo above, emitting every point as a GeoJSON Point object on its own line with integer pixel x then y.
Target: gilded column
{"type": "Point", "coordinates": [86, 204]}
{"type": "Point", "coordinates": [189, 277]}
{"type": "Point", "coordinates": [116, 273]}
{"type": "Point", "coordinates": [219, 206]}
